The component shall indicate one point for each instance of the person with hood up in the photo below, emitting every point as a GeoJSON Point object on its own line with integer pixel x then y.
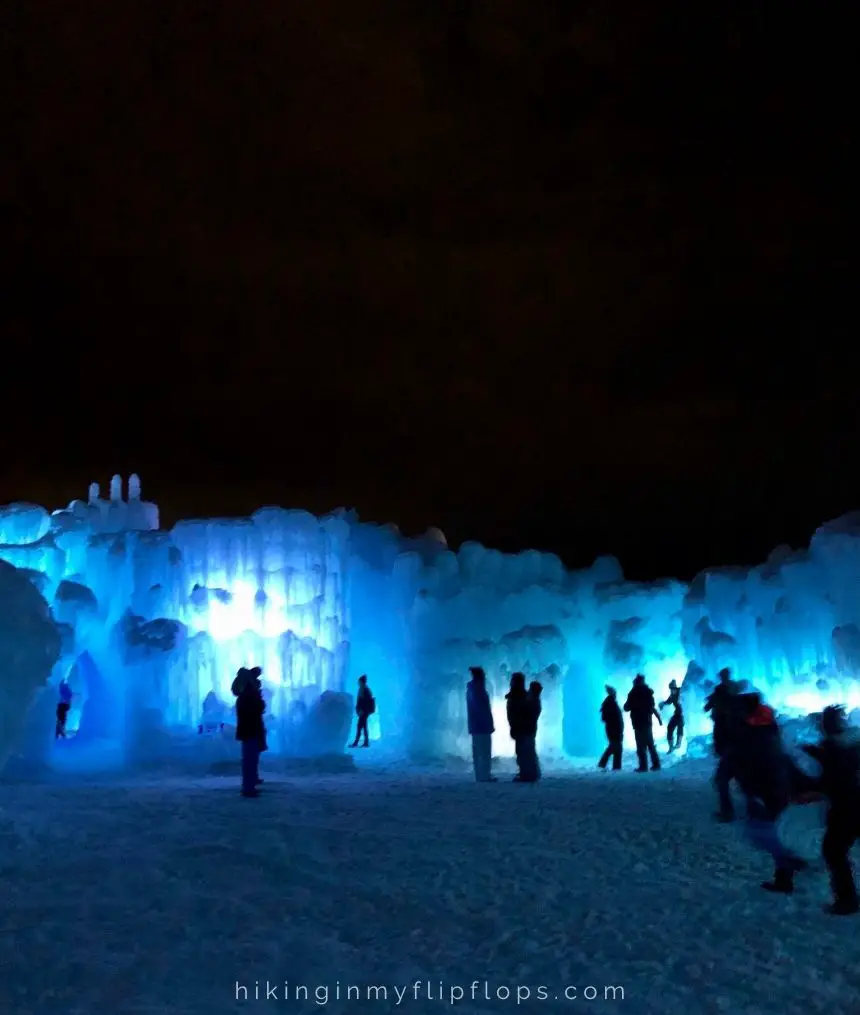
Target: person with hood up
{"type": "Point", "coordinates": [613, 722]}
{"type": "Point", "coordinates": [838, 754]}
{"type": "Point", "coordinates": [769, 782]}
{"type": "Point", "coordinates": [522, 721]}
{"type": "Point", "coordinates": [479, 714]}
{"type": "Point", "coordinates": [676, 722]}
{"type": "Point", "coordinates": [250, 728]}
{"type": "Point", "coordinates": [722, 704]}
{"type": "Point", "coordinates": [642, 708]}
{"type": "Point", "coordinates": [365, 706]}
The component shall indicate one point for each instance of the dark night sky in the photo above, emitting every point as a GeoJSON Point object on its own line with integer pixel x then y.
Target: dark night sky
{"type": "Point", "coordinates": [566, 275]}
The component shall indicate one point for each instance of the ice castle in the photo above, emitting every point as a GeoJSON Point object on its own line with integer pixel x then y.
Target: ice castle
{"type": "Point", "coordinates": [147, 624]}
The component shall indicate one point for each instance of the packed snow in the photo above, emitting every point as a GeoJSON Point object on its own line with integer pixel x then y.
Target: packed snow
{"type": "Point", "coordinates": [168, 893]}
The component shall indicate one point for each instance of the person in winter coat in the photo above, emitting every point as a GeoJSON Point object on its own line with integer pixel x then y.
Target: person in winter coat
{"type": "Point", "coordinates": [613, 722]}
{"type": "Point", "coordinates": [719, 704]}
{"type": "Point", "coordinates": [479, 714]}
{"type": "Point", "coordinates": [522, 720]}
{"type": "Point", "coordinates": [365, 706]}
{"type": "Point", "coordinates": [838, 754]}
{"type": "Point", "coordinates": [64, 705]}
{"type": "Point", "coordinates": [642, 708]}
{"type": "Point", "coordinates": [532, 761]}
{"type": "Point", "coordinates": [676, 722]}
{"type": "Point", "coordinates": [250, 728]}
{"type": "Point", "coordinates": [769, 782]}
{"type": "Point", "coordinates": [722, 704]}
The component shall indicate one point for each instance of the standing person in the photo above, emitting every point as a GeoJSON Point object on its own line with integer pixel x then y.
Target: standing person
{"type": "Point", "coordinates": [838, 754]}
{"type": "Point", "coordinates": [676, 723]}
{"type": "Point", "coordinates": [64, 705]}
{"type": "Point", "coordinates": [613, 722]}
{"type": "Point", "coordinates": [479, 714]}
{"type": "Point", "coordinates": [365, 706]}
{"type": "Point", "coordinates": [722, 705]}
{"type": "Point", "coordinates": [766, 776]}
{"type": "Point", "coordinates": [642, 708]}
{"type": "Point", "coordinates": [530, 769]}
{"type": "Point", "coordinates": [519, 720]}
{"type": "Point", "coordinates": [250, 730]}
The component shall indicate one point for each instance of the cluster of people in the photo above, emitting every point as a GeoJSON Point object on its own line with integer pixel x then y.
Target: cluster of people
{"type": "Point", "coordinates": [746, 739]}
{"type": "Point", "coordinates": [643, 709]}
{"type": "Point", "coordinates": [751, 754]}
{"type": "Point", "coordinates": [523, 705]}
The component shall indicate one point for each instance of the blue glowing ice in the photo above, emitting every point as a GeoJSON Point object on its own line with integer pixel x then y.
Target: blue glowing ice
{"type": "Point", "coordinates": [147, 625]}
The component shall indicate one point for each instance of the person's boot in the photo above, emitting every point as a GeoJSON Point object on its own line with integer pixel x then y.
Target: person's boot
{"type": "Point", "coordinates": [782, 883]}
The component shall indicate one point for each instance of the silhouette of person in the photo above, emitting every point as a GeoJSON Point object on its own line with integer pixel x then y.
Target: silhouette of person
{"type": "Point", "coordinates": [522, 722]}
{"type": "Point", "coordinates": [479, 714]}
{"type": "Point", "coordinates": [365, 706]}
{"type": "Point", "coordinates": [642, 708]}
{"type": "Point", "coordinates": [250, 729]}
{"type": "Point", "coordinates": [676, 721]}
{"type": "Point", "coordinates": [613, 722]}
{"type": "Point", "coordinates": [64, 705]}
{"type": "Point", "coordinates": [722, 704]}
{"type": "Point", "coordinates": [765, 775]}
{"type": "Point", "coordinates": [838, 754]}
{"type": "Point", "coordinates": [530, 769]}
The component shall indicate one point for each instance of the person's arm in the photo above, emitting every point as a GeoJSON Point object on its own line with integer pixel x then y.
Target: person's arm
{"type": "Point", "coordinates": [657, 715]}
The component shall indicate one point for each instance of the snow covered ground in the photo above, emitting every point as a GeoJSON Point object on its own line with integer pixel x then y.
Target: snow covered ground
{"type": "Point", "coordinates": [160, 894]}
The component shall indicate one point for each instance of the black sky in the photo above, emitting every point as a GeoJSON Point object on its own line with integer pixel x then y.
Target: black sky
{"type": "Point", "coordinates": [576, 276]}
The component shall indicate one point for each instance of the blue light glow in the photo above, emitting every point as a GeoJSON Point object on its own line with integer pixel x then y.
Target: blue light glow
{"type": "Point", "coordinates": [149, 623]}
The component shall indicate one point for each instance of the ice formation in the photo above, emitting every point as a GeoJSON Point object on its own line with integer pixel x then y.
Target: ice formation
{"type": "Point", "coordinates": [147, 625]}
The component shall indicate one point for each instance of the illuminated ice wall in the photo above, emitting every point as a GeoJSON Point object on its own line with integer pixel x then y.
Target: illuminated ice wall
{"type": "Point", "coordinates": [149, 627]}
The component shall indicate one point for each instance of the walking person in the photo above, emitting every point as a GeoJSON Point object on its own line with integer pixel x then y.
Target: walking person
{"type": "Point", "coordinates": [838, 754]}
{"type": "Point", "coordinates": [479, 714]}
{"type": "Point", "coordinates": [613, 722]}
{"type": "Point", "coordinates": [365, 706]}
{"type": "Point", "coordinates": [722, 705]}
{"type": "Point", "coordinates": [643, 709]}
{"type": "Point", "coordinates": [769, 781]}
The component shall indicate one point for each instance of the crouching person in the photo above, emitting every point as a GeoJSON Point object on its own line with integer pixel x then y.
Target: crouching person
{"type": "Point", "coordinates": [479, 713]}
{"type": "Point", "coordinates": [250, 729]}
